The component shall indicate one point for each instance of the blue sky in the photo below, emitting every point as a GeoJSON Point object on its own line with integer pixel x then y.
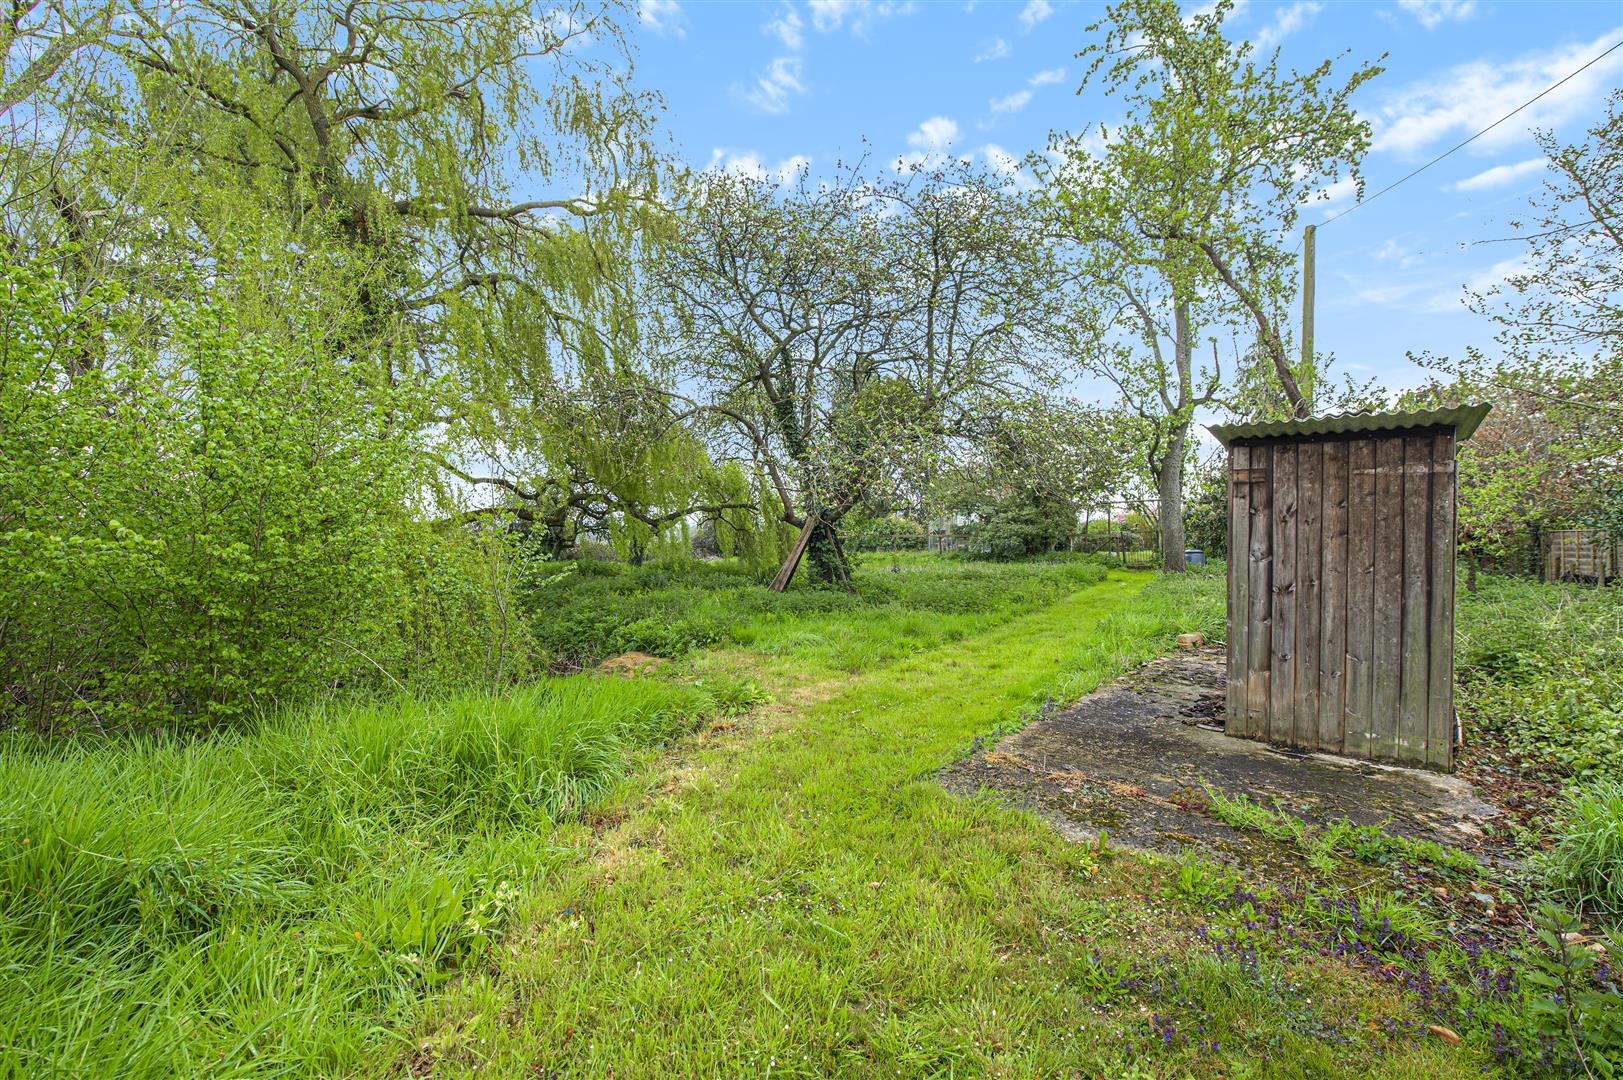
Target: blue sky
{"type": "Point", "coordinates": [761, 87]}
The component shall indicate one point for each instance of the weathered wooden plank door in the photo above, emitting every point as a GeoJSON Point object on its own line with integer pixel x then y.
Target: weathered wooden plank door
{"type": "Point", "coordinates": [1333, 601]}
{"type": "Point", "coordinates": [1309, 616]}
{"type": "Point", "coordinates": [1358, 738]}
{"type": "Point", "coordinates": [1259, 593]}
{"type": "Point", "coordinates": [1340, 612]}
{"type": "Point", "coordinates": [1239, 579]}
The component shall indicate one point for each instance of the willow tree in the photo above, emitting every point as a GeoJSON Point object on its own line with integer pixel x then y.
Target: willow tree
{"type": "Point", "coordinates": [1181, 214]}
{"type": "Point", "coordinates": [449, 195]}
{"type": "Point", "coordinates": [836, 336]}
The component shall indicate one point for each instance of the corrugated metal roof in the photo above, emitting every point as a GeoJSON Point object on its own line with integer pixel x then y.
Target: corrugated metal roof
{"type": "Point", "coordinates": [1464, 419]}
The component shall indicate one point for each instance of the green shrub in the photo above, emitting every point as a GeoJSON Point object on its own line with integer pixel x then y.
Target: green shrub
{"type": "Point", "coordinates": [194, 530]}
{"type": "Point", "coordinates": [1021, 525]}
{"type": "Point", "coordinates": [889, 533]}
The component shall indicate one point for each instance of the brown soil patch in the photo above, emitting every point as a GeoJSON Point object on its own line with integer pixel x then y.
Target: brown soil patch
{"type": "Point", "coordinates": [630, 664]}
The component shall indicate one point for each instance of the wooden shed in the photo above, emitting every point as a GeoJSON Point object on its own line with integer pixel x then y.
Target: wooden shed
{"type": "Point", "coordinates": [1341, 583]}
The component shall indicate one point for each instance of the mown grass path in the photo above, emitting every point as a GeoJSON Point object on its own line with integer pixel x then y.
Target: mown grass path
{"type": "Point", "coordinates": [797, 896]}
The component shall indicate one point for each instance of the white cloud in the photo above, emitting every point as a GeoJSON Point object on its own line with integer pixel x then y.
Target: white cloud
{"type": "Point", "coordinates": [1394, 252]}
{"type": "Point", "coordinates": [1044, 78]}
{"type": "Point", "coordinates": [829, 14]}
{"type": "Point", "coordinates": [1479, 281]}
{"type": "Point", "coordinates": [860, 15]}
{"type": "Point", "coordinates": [778, 83]}
{"type": "Point", "coordinates": [662, 17]}
{"type": "Point", "coordinates": [748, 163]}
{"type": "Point", "coordinates": [1003, 163]}
{"type": "Point", "coordinates": [929, 142]}
{"type": "Point", "coordinates": [1338, 192]}
{"type": "Point", "coordinates": [787, 28]}
{"type": "Point", "coordinates": [1500, 174]}
{"type": "Point", "coordinates": [1008, 167]}
{"type": "Point", "coordinates": [936, 133]}
{"type": "Point", "coordinates": [1433, 13]}
{"type": "Point", "coordinates": [1010, 103]}
{"type": "Point", "coordinates": [997, 50]}
{"type": "Point", "coordinates": [1209, 9]}
{"type": "Point", "coordinates": [1287, 20]}
{"type": "Point", "coordinates": [1467, 95]}
{"type": "Point", "coordinates": [1034, 12]}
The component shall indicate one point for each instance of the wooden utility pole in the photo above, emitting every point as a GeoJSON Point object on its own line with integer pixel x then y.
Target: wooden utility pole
{"type": "Point", "coordinates": [1309, 244]}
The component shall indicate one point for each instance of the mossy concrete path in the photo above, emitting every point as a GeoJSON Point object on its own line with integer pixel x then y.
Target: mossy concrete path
{"type": "Point", "coordinates": [1133, 759]}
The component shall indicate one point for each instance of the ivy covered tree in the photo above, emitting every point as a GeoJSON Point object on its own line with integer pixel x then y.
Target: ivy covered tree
{"type": "Point", "coordinates": [839, 336]}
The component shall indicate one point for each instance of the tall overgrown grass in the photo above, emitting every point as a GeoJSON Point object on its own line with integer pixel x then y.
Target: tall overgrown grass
{"type": "Point", "coordinates": [897, 604]}
{"type": "Point", "coordinates": [1585, 867]}
{"type": "Point", "coordinates": [271, 901]}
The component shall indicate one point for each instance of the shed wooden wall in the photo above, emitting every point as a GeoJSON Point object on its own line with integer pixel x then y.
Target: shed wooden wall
{"type": "Point", "coordinates": [1341, 595]}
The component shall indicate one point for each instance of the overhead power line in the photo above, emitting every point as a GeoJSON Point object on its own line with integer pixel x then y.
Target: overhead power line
{"type": "Point", "coordinates": [1549, 89]}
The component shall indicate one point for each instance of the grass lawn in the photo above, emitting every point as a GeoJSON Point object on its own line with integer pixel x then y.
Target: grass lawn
{"type": "Point", "coordinates": [793, 894]}
{"type": "Point", "coordinates": [648, 877]}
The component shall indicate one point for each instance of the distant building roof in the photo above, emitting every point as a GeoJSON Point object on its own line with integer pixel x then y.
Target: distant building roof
{"type": "Point", "coordinates": [1464, 419]}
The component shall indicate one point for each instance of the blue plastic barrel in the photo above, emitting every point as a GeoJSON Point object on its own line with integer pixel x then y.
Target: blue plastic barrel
{"type": "Point", "coordinates": [1194, 557]}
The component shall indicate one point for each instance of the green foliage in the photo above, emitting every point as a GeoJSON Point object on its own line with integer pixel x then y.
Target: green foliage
{"type": "Point", "coordinates": [261, 903]}
{"type": "Point", "coordinates": [888, 533]}
{"type": "Point", "coordinates": [189, 534]}
{"type": "Point", "coordinates": [1539, 668]}
{"type": "Point", "coordinates": [1575, 1001]}
{"type": "Point", "coordinates": [1585, 867]}
{"type": "Point", "coordinates": [1206, 514]}
{"type": "Point", "coordinates": [1020, 524]}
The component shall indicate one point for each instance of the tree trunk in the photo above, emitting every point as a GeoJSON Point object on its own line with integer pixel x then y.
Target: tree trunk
{"type": "Point", "coordinates": [1169, 486]}
{"type": "Point", "coordinates": [827, 554]}
{"type": "Point", "coordinates": [1169, 471]}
